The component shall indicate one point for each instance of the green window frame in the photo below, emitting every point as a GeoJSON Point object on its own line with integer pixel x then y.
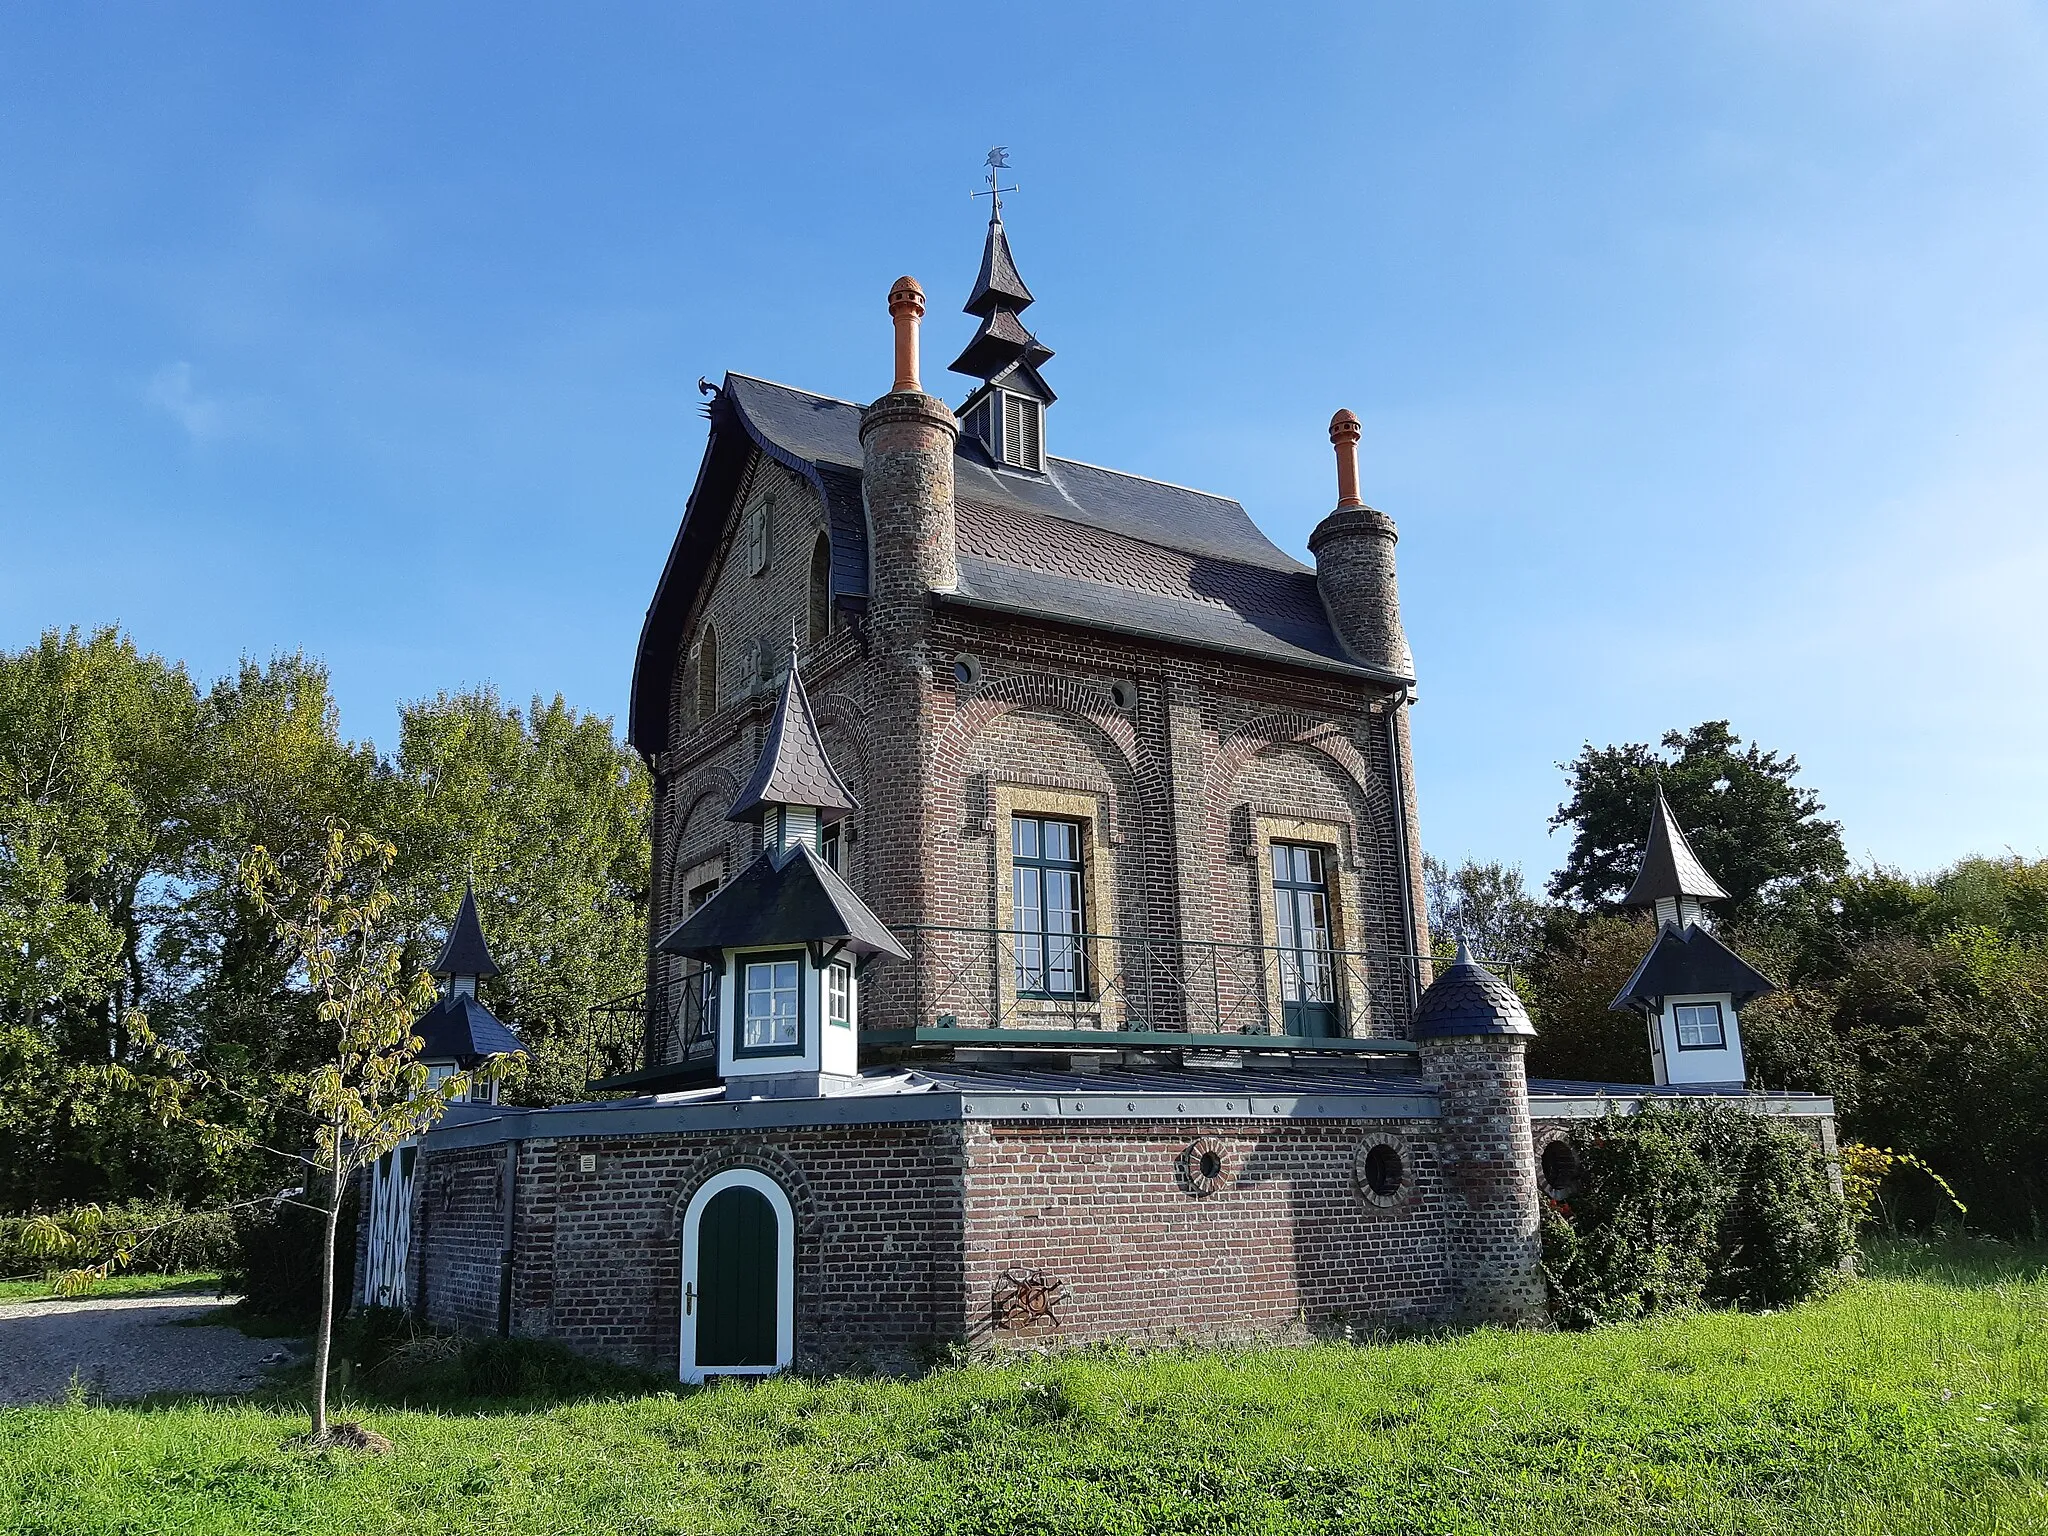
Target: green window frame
{"type": "Point", "coordinates": [1048, 910]}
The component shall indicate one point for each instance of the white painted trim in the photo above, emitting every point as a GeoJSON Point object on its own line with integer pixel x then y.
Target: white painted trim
{"type": "Point", "coordinates": [785, 1273]}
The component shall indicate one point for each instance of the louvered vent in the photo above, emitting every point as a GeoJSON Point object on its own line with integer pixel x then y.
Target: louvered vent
{"type": "Point", "coordinates": [1021, 445]}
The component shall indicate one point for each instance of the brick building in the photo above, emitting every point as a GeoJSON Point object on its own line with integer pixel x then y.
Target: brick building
{"type": "Point", "coordinates": [1037, 938]}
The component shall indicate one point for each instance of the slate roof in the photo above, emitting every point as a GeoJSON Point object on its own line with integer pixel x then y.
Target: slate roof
{"type": "Point", "coordinates": [997, 285]}
{"type": "Point", "coordinates": [797, 899]}
{"type": "Point", "coordinates": [794, 769]}
{"type": "Point", "coordinates": [461, 1029]}
{"type": "Point", "coordinates": [1231, 588]}
{"type": "Point", "coordinates": [1468, 999]}
{"type": "Point", "coordinates": [1689, 963]}
{"type": "Point", "coordinates": [466, 953]}
{"type": "Point", "coordinates": [1670, 867]}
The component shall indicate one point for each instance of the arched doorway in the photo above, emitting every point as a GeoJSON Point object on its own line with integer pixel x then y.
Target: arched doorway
{"type": "Point", "coordinates": [739, 1278]}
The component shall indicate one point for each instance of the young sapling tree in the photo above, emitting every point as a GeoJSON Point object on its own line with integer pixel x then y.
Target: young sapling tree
{"type": "Point", "coordinates": [374, 1094]}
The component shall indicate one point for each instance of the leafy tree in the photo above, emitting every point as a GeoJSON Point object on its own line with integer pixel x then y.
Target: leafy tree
{"type": "Point", "coordinates": [1487, 905]}
{"type": "Point", "coordinates": [1583, 965]}
{"type": "Point", "coordinates": [1756, 830]}
{"type": "Point", "coordinates": [547, 814]}
{"type": "Point", "coordinates": [375, 1093]}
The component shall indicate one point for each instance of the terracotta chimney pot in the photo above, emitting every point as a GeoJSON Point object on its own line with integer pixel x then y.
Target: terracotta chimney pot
{"type": "Point", "coordinates": [1344, 434]}
{"type": "Point", "coordinates": [906, 308]}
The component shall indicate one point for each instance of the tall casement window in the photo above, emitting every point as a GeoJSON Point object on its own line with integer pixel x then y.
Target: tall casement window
{"type": "Point", "coordinates": [700, 983]}
{"type": "Point", "coordinates": [832, 847]}
{"type": "Point", "coordinates": [707, 674]}
{"type": "Point", "coordinates": [757, 533]}
{"type": "Point", "coordinates": [821, 589]}
{"type": "Point", "coordinates": [1301, 915]}
{"type": "Point", "coordinates": [1699, 1027]}
{"type": "Point", "coordinates": [1045, 859]}
{"type": "Point", "coordinates": [771, 1005]}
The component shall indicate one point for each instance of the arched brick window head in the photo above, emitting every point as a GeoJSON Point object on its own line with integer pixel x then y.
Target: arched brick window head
{"type": "Point", "coordinates": [707, 675]}
{"type": "Point", "coordinates": [821, 588]}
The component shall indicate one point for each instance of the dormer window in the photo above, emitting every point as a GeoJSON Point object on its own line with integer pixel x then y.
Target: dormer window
{"type": "Point", "coordinates": [1022, 433]}
{"type": "Point", "coordinates": [1012, 428]}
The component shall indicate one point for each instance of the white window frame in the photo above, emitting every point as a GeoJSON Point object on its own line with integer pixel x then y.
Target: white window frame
{"type": "Point", "coordinates": [741, 1047]}
{"type": "Point", "coordinates": [785, 1273]}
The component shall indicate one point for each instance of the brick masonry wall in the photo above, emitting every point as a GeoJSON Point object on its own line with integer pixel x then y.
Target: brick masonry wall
{"type": "Point", "coordinates": [1209, 743]}
{"type": "Point", "coordinates": [598, 1255]}
{"type": "Point", "coordinates": [1112, 1227]}
{"type": "Point", "coordinates": [1494, 1231]}
{"type": "Point", "coordinates": [458, 1236]}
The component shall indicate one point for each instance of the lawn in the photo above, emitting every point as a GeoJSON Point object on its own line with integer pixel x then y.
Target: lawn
{"type": "Point", "coordinates": [1914, 1401]}
{"type": "Point", "coordinates": [40, 1288]}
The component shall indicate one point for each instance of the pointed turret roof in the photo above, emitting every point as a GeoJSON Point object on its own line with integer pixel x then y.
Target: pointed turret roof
{"type": "Point", "coordinates": [1468, 999]}
{"type": "Point", "coordinates": [793, 897]}
{"type": "Point", "coordinates": [1670, 867]}
{"type": "Point", "coordinates": [998, 286]}
{"type": "Point", "coordinates": [794, 769]}
{"type": "Point", "coordinates": [1003, 341]}
{"type": "Point", "coordinates": [1689, 964]}
{"type": "Point", "coordinates": [466, 953]}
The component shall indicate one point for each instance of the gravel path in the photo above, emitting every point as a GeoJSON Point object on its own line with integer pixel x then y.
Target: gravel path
{"type": "Point", "coordinates": [124, 1346]}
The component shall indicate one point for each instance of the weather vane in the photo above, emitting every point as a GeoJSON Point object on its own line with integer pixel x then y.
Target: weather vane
{"type": "Point", "coordinates": [997, 162]}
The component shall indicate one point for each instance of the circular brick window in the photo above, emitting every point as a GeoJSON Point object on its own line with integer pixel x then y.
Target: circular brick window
{"type": "Point", "coordinates": [1382, 1169]}
{"type": "Point", "coordinates": [966, 670]}
{"type": "Point", "coordinates": [1204, 1164]}
{"type": "Point", "coordinates": [1123, 694]}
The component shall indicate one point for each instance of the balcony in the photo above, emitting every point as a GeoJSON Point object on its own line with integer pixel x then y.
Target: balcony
{"type": "Point", "coordinates": [990, 987]}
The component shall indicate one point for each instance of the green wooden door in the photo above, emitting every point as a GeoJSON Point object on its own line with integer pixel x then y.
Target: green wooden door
{"type": "Point", "coordinates": [736, 1280]}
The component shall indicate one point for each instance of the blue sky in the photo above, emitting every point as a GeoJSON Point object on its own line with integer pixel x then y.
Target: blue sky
{"type": "Point", "coordinates": [1702, 349]}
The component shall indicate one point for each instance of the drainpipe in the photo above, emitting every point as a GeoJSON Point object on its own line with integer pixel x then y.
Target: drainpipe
{"type": "Point", "coordinates": [510, 1194]}
{"type": "Point", "coordinates": [1397, 773]}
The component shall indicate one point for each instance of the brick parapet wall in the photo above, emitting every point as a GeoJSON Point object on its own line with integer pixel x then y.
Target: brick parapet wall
{"type": "Point", "coordinates": [1112, 1222]}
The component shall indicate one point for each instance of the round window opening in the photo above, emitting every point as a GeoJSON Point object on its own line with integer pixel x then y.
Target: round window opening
{"type": "Point", "coordinates": [1123, 694]}
{"type": "Point", "coordinates": [1383, 1171]}
{"type": "Point", "coordinates": [1560, 1168]}
{"type": "Point", "coordinates": [1203, 1164]}
{"type": "Point", "coordinates": [966, 670]}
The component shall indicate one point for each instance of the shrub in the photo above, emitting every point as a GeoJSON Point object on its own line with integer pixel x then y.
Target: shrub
{"type": "Point", "coordinates": [159, 1236]}
{"type": "Point", "coordinates": [275, 1261]}
{"type": "Point", "coordinates": [1683, 1204]}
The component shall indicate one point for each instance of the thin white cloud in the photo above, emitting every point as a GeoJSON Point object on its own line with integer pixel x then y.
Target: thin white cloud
{"type": "Point", "coordinates": [174, 390]}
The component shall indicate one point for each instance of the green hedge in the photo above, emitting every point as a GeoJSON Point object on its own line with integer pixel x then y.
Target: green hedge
{"type": "Point", "coordinates": [169, 1239]}
{"type": "Point", "coordinates": [274, 1259]}
{"type": "Point", "coordinates": [1690, 1204]}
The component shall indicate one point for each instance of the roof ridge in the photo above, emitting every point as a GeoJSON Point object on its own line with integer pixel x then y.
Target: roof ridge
{"type": "Point", "coordinates": [794, 389]}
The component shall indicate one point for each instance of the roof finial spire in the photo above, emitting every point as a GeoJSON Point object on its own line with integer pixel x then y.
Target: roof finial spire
{"type": "Point", "coordinates": [997, 162]}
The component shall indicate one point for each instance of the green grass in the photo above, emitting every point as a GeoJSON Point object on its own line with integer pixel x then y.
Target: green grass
{"type": "Point", "coordinates": [1915, 1401]}
{"type": "Point", "coordinates": [41, 1288]}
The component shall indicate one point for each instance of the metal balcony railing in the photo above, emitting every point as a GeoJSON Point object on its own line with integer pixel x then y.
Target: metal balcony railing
{"type": "Point", "coordinates": [993, 978]}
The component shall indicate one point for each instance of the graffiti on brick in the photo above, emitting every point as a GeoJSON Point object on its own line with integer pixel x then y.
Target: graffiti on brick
{"type": "Point", "coordinates": [1026, 1299]}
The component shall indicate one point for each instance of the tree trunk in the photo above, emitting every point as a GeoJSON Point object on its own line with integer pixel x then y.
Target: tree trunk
{"type": "Point", "coordinates": [324, 1340]}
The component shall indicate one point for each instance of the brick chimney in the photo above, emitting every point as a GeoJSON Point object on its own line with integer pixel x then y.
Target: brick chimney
{"type": "Point", "coordinates": [906, 440]}
{"type": "Point", "coordinates": [1354, 550]}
